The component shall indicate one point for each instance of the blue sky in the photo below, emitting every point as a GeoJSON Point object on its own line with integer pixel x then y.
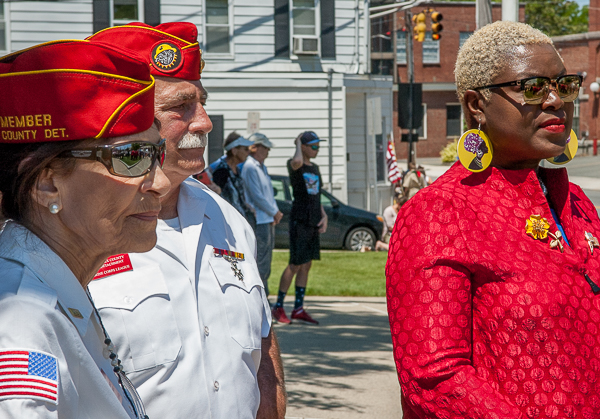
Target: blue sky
{"type": "Point", "coordinates": [583, 2]}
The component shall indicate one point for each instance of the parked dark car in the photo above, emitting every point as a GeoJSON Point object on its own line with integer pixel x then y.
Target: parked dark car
{"type": "Point", "coordinates": [347, 227]}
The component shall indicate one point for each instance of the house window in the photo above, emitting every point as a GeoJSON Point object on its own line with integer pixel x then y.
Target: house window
{"type": "Point", "coordinates": [126, 11]}
{"type": "Point", "coordinates": [422, 131]}
{"type": "Point", "coordinates": [381, 34]}
{"type": "Point", "coordinates": [431, 50]}
{"type": "Point", "coordinates": [218, 27]}
{"type": "Point", "coordinates": [305, 25]}
{"type": "Point", "coordinates": [382, 67]}
{"type": "Point", "coordinates": [401, 47]}
{"type": "Point", "coordinates": [3, 46]}
{"type": "Point", "coordinates": [462, 38]}
{"type": "Point", "coordinates": [453, 120]}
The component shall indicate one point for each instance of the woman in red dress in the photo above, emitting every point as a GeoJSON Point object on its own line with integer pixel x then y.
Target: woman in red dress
{"type": "Point", "coordinates": [493, 272]}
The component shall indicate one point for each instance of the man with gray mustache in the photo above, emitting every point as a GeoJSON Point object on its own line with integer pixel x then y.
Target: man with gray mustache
{"type": "Point", "coordinates": [190, 317]}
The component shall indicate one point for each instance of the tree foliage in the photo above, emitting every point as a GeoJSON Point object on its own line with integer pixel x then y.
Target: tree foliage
{"type": "Point", "coordinates": [557, 17]}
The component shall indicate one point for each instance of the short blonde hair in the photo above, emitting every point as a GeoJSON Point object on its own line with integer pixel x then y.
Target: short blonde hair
{"type": "Point", "coordinates": [486, 54]}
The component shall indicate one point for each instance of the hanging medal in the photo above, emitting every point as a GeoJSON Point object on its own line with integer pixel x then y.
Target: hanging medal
{"type": "Point", "coordinates": [233, 258]}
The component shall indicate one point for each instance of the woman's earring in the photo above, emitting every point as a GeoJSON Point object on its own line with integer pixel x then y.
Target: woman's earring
{"type": "Point", "coordinates": [569, 153]}
{"type": "Point", "coordinates": [475, 150]}
{"type": "Point", "coordinates": [54, 208]}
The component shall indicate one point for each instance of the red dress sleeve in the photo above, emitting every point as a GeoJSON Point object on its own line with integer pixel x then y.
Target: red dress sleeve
{"type": "Point", "coordinates": [430, 310]}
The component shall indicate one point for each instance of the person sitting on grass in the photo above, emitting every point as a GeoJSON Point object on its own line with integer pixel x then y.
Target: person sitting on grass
{"type": "Point", "coordinates": [389, 219]}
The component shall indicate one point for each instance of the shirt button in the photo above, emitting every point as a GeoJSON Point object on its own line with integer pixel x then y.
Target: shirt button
{"type": "Point", "coordinates": [206, 331]}
{"type": "Point", "coordinates": [216, 386]}
{"type": "Point", "coordinates": [128, 300]}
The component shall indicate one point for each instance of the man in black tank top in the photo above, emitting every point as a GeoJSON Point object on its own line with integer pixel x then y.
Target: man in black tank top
{"type": "Point", "coordinates": [307, 221]}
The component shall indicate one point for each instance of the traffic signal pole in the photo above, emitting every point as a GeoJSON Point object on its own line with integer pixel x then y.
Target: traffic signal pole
{"type": "Point", "coordinates": [411, 81]}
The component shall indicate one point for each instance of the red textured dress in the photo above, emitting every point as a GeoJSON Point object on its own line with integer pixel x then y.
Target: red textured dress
{"type": "Point", "coordinates": [486, 321]}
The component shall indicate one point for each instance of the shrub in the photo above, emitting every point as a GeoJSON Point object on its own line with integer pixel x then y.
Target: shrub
{"type": "Point", "coordinates": [449, 154]}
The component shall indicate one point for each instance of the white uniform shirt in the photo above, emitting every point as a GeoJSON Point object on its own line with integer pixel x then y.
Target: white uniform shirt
{"type": "Point", "coordinates": [259, 190]}
{"type": "Point", "coordinates": [44, 310]}
{"type": "Point", "coordinates": [187, 329]}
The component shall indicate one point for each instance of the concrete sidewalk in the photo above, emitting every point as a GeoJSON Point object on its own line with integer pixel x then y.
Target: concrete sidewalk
{"type": "Point", "coordinates": [343, 368]}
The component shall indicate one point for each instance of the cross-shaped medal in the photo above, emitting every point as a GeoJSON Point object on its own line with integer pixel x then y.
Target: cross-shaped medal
{"type": "Point", "coordinates": [592, 241]}
{"type": "Point", "coordinates": [237, 272]}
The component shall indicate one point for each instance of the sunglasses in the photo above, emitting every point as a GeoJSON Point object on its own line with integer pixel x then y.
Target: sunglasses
{"type": "Point", "coordinates": [314, 147]}
{"type": "Point", "coordinates": [536, 89]}
{"type": "Point", "coordinates": [133, 159]}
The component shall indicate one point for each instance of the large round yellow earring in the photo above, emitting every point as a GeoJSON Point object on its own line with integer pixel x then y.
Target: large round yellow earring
{"type": "Point", "coordinates": [569, 153]}
{"type": "Point", "coordinates": [475, 150]}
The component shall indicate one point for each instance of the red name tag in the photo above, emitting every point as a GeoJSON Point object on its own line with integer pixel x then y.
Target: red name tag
{"type": "Point", "coordinates": [114, 265]}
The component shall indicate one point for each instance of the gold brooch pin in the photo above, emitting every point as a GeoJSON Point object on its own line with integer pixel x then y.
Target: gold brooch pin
{"type": "Point", "coordinates": [556, 241]}
{"type": "Point", "coordinates": [592, 241]}
{"type": "Point", "coordinates": [537, 227]}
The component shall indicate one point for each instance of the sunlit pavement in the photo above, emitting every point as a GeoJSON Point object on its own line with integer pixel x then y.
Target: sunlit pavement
{"type": "Point", "coordinates": [342, 368]}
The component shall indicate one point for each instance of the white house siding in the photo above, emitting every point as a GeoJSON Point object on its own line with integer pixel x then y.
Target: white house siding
{"type": "Point", "coordinates": [35, 22]}
{"type": "Point", "coordinates": [254, 41]}
{"type": "Point", "coordinates": [288, 104]}
{"type": "Point", "coordinates": [183, 11]}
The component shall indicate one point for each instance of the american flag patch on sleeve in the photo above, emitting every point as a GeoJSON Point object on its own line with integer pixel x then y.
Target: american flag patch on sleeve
{"type": "Point", "coordinates": [28, 375]}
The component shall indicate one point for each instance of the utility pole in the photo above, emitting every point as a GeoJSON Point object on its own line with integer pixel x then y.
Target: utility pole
{"type": "Point", "coordinates": [411, 79]}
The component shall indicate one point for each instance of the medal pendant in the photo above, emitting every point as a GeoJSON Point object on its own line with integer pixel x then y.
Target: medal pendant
{"type": "Point", "coordinates": [237, 272]}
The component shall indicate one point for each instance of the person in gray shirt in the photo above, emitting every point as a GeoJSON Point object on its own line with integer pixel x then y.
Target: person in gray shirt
{"type": "Point", "coordinates": [259, 192]}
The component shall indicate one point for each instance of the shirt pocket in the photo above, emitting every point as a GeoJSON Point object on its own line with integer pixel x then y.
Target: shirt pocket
{"type": "Point", "coordinates": [242, 300]}
{"type": "Point", "coordinates": [136, 310]}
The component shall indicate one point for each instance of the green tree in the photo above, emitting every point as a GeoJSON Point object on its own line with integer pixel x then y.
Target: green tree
{"type": "Point", "coordinates": [557, 17]}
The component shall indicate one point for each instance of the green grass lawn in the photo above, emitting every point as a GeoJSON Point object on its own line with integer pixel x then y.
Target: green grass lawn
{"type": "Point", "coordinates": [339, 273]}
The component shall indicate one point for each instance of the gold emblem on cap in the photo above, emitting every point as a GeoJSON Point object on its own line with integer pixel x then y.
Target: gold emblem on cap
{"type": "Point", "coordinates": [166, 57]}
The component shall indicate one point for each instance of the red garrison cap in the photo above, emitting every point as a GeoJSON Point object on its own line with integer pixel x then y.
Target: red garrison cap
{"type": "Point", "coordinates": [73, 90]}
{"type": "Point", "coordinates": [171, 49]}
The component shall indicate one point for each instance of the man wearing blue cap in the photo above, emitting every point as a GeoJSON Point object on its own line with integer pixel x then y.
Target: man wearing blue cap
{"type": "Point", "coordinates": [307, 221]}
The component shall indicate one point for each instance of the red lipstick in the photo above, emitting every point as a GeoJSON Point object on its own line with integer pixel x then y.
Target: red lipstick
{"type": "Point", "coordinates": [554, 125]}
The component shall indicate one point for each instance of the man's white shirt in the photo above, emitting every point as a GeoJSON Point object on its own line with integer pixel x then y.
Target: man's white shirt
{"type": "Point", "coordinates": [187, 328]}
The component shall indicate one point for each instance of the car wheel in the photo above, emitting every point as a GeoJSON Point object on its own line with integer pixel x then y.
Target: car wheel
{"type": "Point", "coordinates": [359, 237]}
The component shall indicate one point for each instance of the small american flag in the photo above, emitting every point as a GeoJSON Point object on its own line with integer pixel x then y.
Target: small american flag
{"type": "Point", "coordinates": [390, 156]}
{"type": "Point", "coordinates": [28, 375]}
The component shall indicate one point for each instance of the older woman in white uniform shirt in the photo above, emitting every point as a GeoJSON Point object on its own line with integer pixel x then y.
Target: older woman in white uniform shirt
{"type": "Point", "coordinates": [79, 182]}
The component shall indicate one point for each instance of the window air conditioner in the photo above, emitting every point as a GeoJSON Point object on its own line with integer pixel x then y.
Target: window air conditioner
{"type": "Point", "coordinates": [306, 46]}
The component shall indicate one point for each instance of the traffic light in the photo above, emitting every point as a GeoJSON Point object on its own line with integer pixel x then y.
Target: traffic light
{"type": "Point", "coordinates": [436, 26]}
{"type": "Point", "coordinates": [420, 27]}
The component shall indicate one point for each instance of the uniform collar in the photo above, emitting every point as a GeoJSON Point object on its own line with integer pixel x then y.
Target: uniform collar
{"type": "Point", "coordinates": [21, 245]}
{"type": "Point", "coordinates": [190, 211]}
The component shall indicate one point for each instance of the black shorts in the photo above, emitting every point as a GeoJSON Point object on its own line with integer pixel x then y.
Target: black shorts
{"type": "Point", "coordinates": [305, 244]}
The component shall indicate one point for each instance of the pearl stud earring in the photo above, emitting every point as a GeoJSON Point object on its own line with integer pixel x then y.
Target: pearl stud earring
{"type": "Point", "coordinates": [54, 208]}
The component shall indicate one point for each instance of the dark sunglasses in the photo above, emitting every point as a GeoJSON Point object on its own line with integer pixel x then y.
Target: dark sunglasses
{"type": "Point", "coordinates": [315, 147]}
{"type": "Point", "coordinates": [536, 89]}
{"type": "Point", "coordinates": [125, 160]}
